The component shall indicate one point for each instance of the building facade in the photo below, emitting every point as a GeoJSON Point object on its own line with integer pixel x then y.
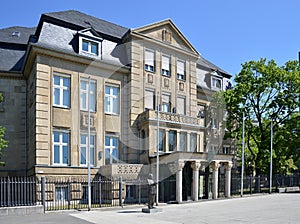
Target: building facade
{"type": "Point", "coordinates": [145, 93]}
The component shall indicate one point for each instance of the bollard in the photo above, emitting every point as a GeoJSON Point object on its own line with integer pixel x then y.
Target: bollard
{"type": "Point", "coordinates": [120, 192]}
{"type": "Point", "coordinates": [43, 194]}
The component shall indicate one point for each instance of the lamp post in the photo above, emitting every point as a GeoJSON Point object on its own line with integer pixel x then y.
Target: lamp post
{"type": "Point", "coordinates": [243, 155]}
{"type": "Point", "coordinates": [88, 148]}
{"type": "Point", "coordinates": [157, 150]}
{"type": "Point", "coordinates": [271, 156]}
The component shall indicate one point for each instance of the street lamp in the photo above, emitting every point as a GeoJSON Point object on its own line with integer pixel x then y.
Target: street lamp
{"type": "Point", "coordinates": [271, 156]}
{"type": "Point", "coordinates": [243, 155]}
{"type": "Point", "coordinates": [157, 150]}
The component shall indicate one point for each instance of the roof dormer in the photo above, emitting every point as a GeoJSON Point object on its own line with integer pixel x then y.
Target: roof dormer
{"type": "Point", "coordinates": [90, 43]}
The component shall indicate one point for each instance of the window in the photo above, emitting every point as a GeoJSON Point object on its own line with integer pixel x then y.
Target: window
{"type": "Point", "coordinates": [181, 107]}
{"type": "Point", "coordinates": [61, 144]}
{"type": "Point", "coordinates": [166, 103]}
{"type": "Point", "coordinates": [180, 70]}
{"type": "Point", "coordinates": [149, 60]}
{"type": "Point", "coordinates": [165, 65]}
{"type": "Point", "coordinates": [172, 140]}
{"type": "Point", "coordinates": [112, 99]}
{"type": "Point", "coordinates": [84, 86]}
{"type": "Point", "coordinates": [214, 148]}
{"type": "Point", "coordinates": [111, 149]}
{"type": "Point", "coordinates": [216, 83]}
{"type": "Point", "coordinates": [61, 193]}
{"type": "Point", "coordinates": [193, 142]}
{"type": "Point", "coordinates": [149, 99]}
{"type": "Point", "coordinates": [226, 149]}
{"type": "Point", "coordinates": [162, 140]}
{"type": "Point", "coordinates": [84, 149]}
{"type": "Point", "coordinates": [61, 90]}
{"type": "Point", "coordinates": [214, 123]}
{"type": "Point", "coordinates": [90, 47]}
{"type": "Point", "coordinates": [183, 138]}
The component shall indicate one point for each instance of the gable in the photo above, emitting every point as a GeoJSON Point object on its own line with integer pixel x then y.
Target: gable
{"type": "Point", "coordinates": [168, 33]}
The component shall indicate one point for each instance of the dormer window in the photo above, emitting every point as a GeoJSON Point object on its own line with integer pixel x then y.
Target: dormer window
{"type": "Point", "coordinates": [90, 47]}
{"type": "Point", "coordinates": [90, 42]}
{"type": "Point", "coordinates": [216, 83]}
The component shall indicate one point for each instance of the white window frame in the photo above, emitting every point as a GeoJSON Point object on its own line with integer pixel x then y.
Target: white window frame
{"type": "Point", "coordinates": [60, 144]}
{"type": "Point", "coordinates": [85, 147]}
{"type": "Point", "coordinates": [166, 106]}
{"type": "Point", "coordinates": [180, 70]}
{"type": "Point", "coordinates": [214, 123]}
{"type": "Point", "coordinates": [149, 60]}
{"type": "Point", "coordinates": [214, 81]}
{"type": "Point", "coordinates": [184, 104]}
{"type": "Point", "coordinates": [165, 65]}
{"type": "Point", "coordinates": [146, 99]}
{"type": "Point", "coordinates": [226, 149]}
{"type": "Point", "coordinates": [162, 140]}
{"type": "Point", "coordinates": [111, 148]}
{"type": "Point", "coordinates": [191, 139]}
{"type": "Point", "coordinates": [61, 89]}
{"type": "Point", "coordinates": [84, 93]}
{"type": "Point", "coordinates": [89, 42]}
{"type": "Point", "coordinates": [183, 144]}
{"type": "Point", "coordinates": [111, 97]}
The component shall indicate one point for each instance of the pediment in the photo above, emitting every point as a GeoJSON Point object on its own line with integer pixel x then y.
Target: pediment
{"type": "Point", "coordinates": [167, 32]}
{"type": "Point", "coordinates": [90, 32]}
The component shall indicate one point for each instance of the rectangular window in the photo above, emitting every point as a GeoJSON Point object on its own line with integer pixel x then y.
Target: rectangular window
{"type": "Point", "coordinates": [61, 147]}
{"type": "Point", "coordinates": [216, 83]}
{"type": "Point", "coordinates": [111, 149]}
{"type": "Point", "coordinates": [214, 148]}
{"type": "Point", "coordinates": [84, 86]}
{"type": "Point", "coordinates": [165, 65]}
{"type": "Point", "coordinates": [162, 140]}
{"type": "Point", "coordinates": [180, 70]}
{"type": "Point", "coordinates": [193, 142]}
{"type": "Point", "coordinates": [90, 47]}
{"type": "Point", "coordinates": [226, 149]}
{"type": "Point", "coordinates": [166, 103]}
{"type": "Point", "coordinates": [214, 123]}
{"type": "Point", "coordinates": [149, 99]}
{"type": "Point", "coordinates": [149, 60]}
{"type": "Point", "coordinates": [61, 90]}
{"type": "Point", "coordinates": [181, 106]}
{"type": "Point", "coordinates": [84, 149]}
{"type": "Point", "coordinates": [112, 99]}
{"type": "Point", "coordinates": [61, 193]}
{"type": "Point", "coordinates": [183, 141]}
{"type": "Point", "coordinates": [172, 140]}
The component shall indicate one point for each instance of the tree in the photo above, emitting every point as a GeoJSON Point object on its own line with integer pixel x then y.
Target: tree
{"type": "Point", "coordinates": [265, 92]}
{"type": "Point", "coordinates": [3, 142]}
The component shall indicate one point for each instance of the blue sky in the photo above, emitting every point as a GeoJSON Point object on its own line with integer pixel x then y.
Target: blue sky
{"type": "Point", "coordinates": [228, 33]}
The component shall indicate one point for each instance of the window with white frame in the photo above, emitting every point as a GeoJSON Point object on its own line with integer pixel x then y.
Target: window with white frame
{"type": "Point", "coordinates": [165, 65]}
{"type": "Point", "coordinates": [180, 70]}
{"type": "Point", "coordinates": [84, 86]}
{"type": "Point", "coordinates": [166, 102]}
{"type": "Point", "coordinates": [193, 142]}
{"type": "Point", "coordinates": [84, 149]}
{"type": "Point", "coordinates": [226, 149]}
{"type": "Point", "coordinates": [181, 105]}
{"type": "Point", "coordinates": [61, 147]}
{"type": "Point", "coordinates": [89, 46]}
{"type": "Point", "coordinates": [183, 141]}
{"type": "Point", "coordinates": [149, 99]}
{"type": "Point", "coordinates": [172, 140]}
{"type": "Point", "coordinates": [112, 99]}
{"type": "Point", "coordinates": [214, 123]}
{"type": "Point", "coordinates": [216, 83]}
{"type": "Point", "coordinates": [61, 90]}
{"type": "Point", "coordinates": [111, 149]}
{"type": "Point", "coordinates": [149, 60]}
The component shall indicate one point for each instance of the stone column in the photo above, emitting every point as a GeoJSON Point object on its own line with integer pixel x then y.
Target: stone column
{"type": "Point", "coordinates": [215, 166]}
{"type": "Point", "coordinates": [228, 167]}
{"type": "Point", "coordinates": [195, 166]}
{"type": "Point", "coordinates": [180, 165]}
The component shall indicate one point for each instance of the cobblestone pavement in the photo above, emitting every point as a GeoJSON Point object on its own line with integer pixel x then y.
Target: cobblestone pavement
{"type": "Point", "coordinates": [275, 208]}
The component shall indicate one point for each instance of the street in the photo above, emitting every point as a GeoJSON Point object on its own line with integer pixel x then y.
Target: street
{"type": "Point", "coordinates": [275, 208]}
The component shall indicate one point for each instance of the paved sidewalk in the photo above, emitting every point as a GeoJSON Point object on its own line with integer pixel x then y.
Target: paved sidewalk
{"type": "Point", "coordinates": [275, 208]}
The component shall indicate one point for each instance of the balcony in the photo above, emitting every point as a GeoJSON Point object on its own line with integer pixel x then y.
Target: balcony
{"type": "Point", "coordinates": [179, 119]}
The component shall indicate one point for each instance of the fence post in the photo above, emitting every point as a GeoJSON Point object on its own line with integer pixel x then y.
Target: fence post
{"type": "Point", "coordinates": [43, 193]}
{"type": "Point", "coordinates": [120, 192]}
{"type": "Point", "coordinates": [69, 193]}
{"type": "Point", "coordinates": [8, 193]}
{"type": "Point", "coordinates": [250, 184]}
{"type": "Point", "coordinates": [100, 189]}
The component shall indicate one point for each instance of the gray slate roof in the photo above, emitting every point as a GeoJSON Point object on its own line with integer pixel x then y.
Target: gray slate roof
{"type": "Point", "coordinates": [205, 63]}
{"type": "Point", "coordinates": [86, 21]}
{"type": "Point", "coordinates": [7, 37]}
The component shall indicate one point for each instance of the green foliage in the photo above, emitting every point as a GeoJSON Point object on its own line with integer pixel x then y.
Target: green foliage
{"type": "Point", "coordinates": [265, 92]}
{"type": "Point", "coordinates": [3, 142]}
